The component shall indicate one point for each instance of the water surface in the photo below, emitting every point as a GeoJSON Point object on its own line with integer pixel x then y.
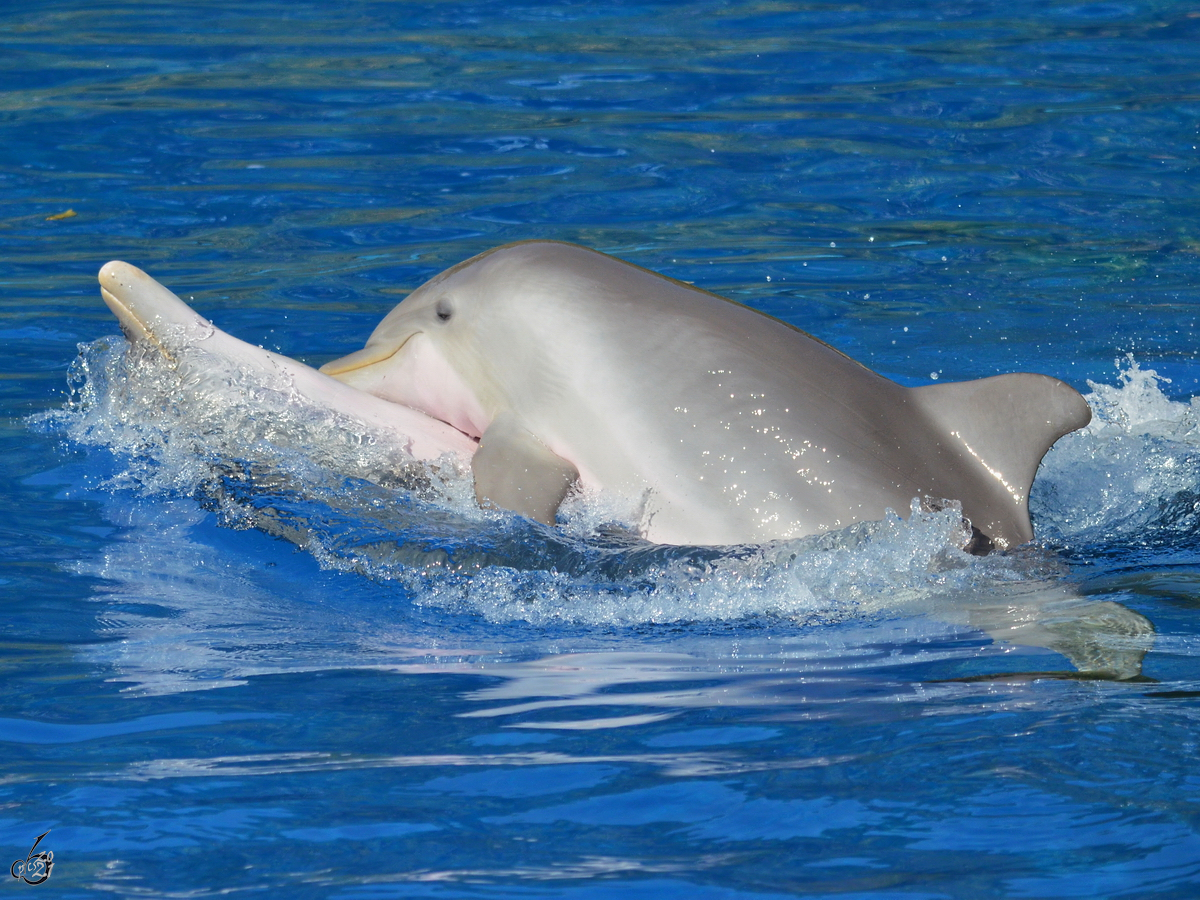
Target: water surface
{"type": "Point", "coordinates": [236, 660]}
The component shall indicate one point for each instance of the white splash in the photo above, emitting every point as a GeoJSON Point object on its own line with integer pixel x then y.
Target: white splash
{"type": "Point", "coordinates": [1132, 474]}
{"type": "Point", "coordinates": [260, 460]}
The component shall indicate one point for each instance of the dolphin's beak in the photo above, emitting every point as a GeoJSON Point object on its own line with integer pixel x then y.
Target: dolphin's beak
{"type": "Point", "coordinates": [144, 307]}
{"type": "Point", "coordinates": [360, 359]}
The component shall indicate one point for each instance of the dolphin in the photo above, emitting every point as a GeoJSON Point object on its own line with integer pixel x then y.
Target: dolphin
{"type": "Point", "coordinates": [152, 316]}
{"type": "Point", "coordinates": [724, 425]}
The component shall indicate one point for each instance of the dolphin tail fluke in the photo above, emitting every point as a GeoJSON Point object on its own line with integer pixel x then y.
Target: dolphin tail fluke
{"type": "Point", "coordinates": [1006, 424]}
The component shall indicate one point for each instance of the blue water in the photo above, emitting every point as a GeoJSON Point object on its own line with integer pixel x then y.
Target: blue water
{"type": "Point", "coordinates": [235, 661]}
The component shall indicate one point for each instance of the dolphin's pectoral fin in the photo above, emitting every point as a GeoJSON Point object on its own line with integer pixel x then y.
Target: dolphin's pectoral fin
{"type": "Point", "coordinates": [1006, 424]}
{"type": "Point", "coordinates": [514, 470]}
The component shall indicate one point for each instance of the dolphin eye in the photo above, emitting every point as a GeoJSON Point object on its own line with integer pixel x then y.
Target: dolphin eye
{"type": "Point", "coordinates": [444, 310]}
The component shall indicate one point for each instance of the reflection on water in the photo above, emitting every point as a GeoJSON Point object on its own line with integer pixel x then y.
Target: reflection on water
{"type": "Point", "coordinates": [179, 614]}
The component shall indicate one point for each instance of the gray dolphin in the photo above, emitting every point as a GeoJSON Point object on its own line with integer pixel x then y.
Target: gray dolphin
{"type": "Point", "coordinates": [725, 424]}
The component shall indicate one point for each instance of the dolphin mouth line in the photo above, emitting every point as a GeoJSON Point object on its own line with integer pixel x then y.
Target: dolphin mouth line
{"type": "Point", "coordinates": [131, 324]}
{"type": "Point", "coordinates": [122, 311]}
{"type": "Point", "coordinates": [361, 359]}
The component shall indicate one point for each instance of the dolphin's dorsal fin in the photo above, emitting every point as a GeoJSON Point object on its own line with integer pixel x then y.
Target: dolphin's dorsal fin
{"type": "Point", "coordinates": [1005, 423]}
{"type": "Point", "coordinates": [514, 470]}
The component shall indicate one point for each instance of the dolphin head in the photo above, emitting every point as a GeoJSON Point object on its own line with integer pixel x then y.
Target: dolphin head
{"type": "Point", "coordinates": [148, 312]}
{"type": "Point", "coordinates": [415, 356]}
{"type": "Point", "coordinates": [499, 332]}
